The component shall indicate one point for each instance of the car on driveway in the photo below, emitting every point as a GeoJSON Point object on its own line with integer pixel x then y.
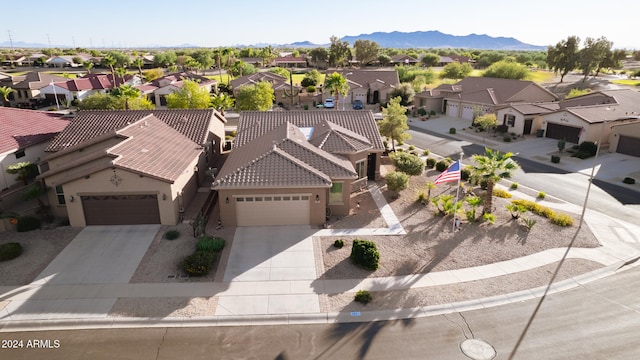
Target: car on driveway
{"type": "Point", "coordinates": [328, 103]}
{"type": "Point", "coordinates": [358, 105]}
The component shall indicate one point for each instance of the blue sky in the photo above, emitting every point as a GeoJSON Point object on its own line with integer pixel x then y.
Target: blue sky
{"type": "Point", "coordinates": [212, 23]}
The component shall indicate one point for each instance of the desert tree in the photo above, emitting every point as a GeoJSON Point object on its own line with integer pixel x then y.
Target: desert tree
{"type": "Point", "coordinates": [394, 122]}
{"type": "Point", "coordinates": [190, 96]}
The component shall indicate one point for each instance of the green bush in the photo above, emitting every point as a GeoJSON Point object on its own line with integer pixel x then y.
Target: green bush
{"type": "Point", "coordinates": [561, 219]}
{"type": "Point", "coordinates": [365, 254]}
{"type": "Point", "coordinates": [421, 197]}
{"type": "Point", "coordinates": [311, 89]}
{"type": "Point", "coordinates": [210, 244]}
{"type": "Point", "coordinates": [10, 251]}
{"type": "Point", "coordinates": [408, 163]}
{"type": "Point", "coordinates": [629, 180]}
{"type": "Point", "coordinates": [542, 195]}
{"type": "Point", "coordinates": [339, 243]}
{"type": "Point", "coordinates": [555, 159]}
{"type": "Point", "coordinates": [28, 223]}
{"type": "Point", "coordinates": [557, 218]}
{"type": "Point", "coordinates": [442, 165]}
{"type": "Point", "coordinates": [501, 193]}
{"type": "Point", "coordinates": [432, 113]}
{"type": "Point", "coordinates": [431, 162]}
{"type": "Point", "coordinates": [425, 152]}
{"type": "Point", "coordinates": [363, 296]}
{"type": "Point", "coordinates": [514, 186]}
{"type": "Point", "coordinates": [199, 263]}
{"type": "Point", "coordinates": [529, 223]}
{"type": "Point", "coordinates": [490, 218]}
{"type": "Point", "coordinates": [452, 130]}
{"type": "Point", "coordinates": [586, 149]}
{"type": "Point", "coordinates": [172, 234]}
{"type": "Point", "coordinates": [397, 181]}
{"type": "Point", "coordinates": [411, 147]}
{"type": "Point", "coordinates": [506, 138]}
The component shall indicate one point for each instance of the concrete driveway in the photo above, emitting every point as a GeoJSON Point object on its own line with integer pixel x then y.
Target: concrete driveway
{"type": "Point", "coordinates": [100, 255]}
{"type": "Point", "coordinates": [276, 253]}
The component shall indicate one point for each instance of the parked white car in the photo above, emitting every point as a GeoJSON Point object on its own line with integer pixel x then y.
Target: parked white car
{"type": "Point", "coordinates": [328, 103]}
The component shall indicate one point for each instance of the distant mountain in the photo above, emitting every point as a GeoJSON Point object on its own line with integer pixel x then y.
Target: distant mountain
{"type": "Point", "coordinates": [436, 39]}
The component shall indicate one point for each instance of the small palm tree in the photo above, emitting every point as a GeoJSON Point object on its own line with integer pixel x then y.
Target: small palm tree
{"type": "Point", "coordinates": [222, 101]}
{"type": "Point", "coordinates": [474, 201]}
{"type": "Point", "coordinates": [5, 91]}
{"type": "Point", "coordinates": [121, 73]}
{"type": "Point", "coordinates": [139, 63]}
{"type": "Point", "coordinates": [492, 167]}
{"type": "Point", "coordinates": [110, 62]}
{"type": "Point", "coordinates": [337, 85]}
{"type": "Point", "coordinates": [127, 92]}
{"type": "Point", "coordinates": [88, 65]}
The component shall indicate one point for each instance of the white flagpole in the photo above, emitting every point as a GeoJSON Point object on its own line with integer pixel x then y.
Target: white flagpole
{"type": "Point", "coordinates": [455, 205]}
{"type": "Point", "coordinates": [54, 94]}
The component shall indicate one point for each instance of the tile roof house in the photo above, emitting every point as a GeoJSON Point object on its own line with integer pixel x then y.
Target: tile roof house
{"type": "Point", "coordinates": [403, 60]}
{"type": "Point", "coordinates": [130, 167]}
{"type": "Point", "coordinates": [24, 136]}
{"type": "Point", "coordinates": [281, 87]}
{"type": "Point", "coordinates": [28, 86]}
{"type": "Point", "coordinates": [475, 96]}
{"type": "Point", "coordinates": [291, 167]}
{"type": "Point", "coordinates": [167, 84]}
{"type": "Point", "coordinates": [588, 117]}
{"type": "Point", "coordinates": [81, 88]}
{"type": "Point", "coordinates": [369, 86]}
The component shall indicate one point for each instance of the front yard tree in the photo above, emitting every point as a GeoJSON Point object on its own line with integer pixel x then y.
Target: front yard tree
{"type": "Point", "coordinates": [593, 54]}
{"type": "Point", "coordinates": [507, 70]}
{"type": "Point", "coordinates": [319, 56]}
{"type": "Point", "coordinates": [190, 96]}
{"type": "Point", "coordinates": [126, 92]}
{"type": "Point", "coordinates": [366, 51]}
{"type": "Point", "coordinates": [405, 91]}
{"type": "Point", "coordinates": [337, 85]}
{"type": "Point", "coordinates": [397, 181]}
{"type": "Point", "coordinates": [257, 97]}
{"type": "Point", "coordinates": [486, 121]}
{"type": "Point", "coordinates": [455, 70]}
{"type": "Point", "coordinates": [394, 123]}
{"type": "Point", "coordinates": [430, 59]}
{"type": "Point", "coordinates": [311, 78]}
{"type": "Point", "coordinates": [408, 163]}
{"type": "Point", "coordinates": [563, 57]}
{"type": "Point", "coordinates": [338, 51]}
{"type": "Point", "coordinates": [492, 167]}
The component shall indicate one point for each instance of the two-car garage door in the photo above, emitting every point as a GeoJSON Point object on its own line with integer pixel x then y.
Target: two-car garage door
{"type": "Point", "coordinates": [563, 132]}
{"type": "Point", "coordinates": [629, 145]}
{"type": "Point", "coordinates": [264, 210]}
{"type": "Point", "coordinates": [121, 209]}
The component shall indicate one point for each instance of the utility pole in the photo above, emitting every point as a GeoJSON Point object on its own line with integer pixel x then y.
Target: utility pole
{"type": "Point", "coordinates": [49, 41]}
{"type": "Point", "coordinates": [10, 40]}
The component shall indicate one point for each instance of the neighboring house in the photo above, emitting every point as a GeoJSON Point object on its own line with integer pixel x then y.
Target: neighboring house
{"type": "Point", "coordinates": [625, 138]}
{"type": "Point", "coordinates": [446, 60]}
{"type": "Point", "coordinates": [293, 167]}
{"type": "Point", "coordinates": [24, 135]}
{"type": "Point", "coordinates": [281, 87]}
{"type": "Point", "coordinates": [290, 62]}
{"type": "Point", "coordinates": [369, 86]}
{"type": "Point", "coordinates": [67, 60]}
{"type": "Point", "coordinates": [28, 86]}
{"type": "Point", "coordinates": [14, 60]}
{"type": "Point", "coordinates": [404, 60]}
{"type": "Point", "coordinates": [172, 82]}
{"type": "Point", "coordinates": [81, 88]}
{"type": "Point", "coordinates": [474, 96]}
{"type": "Point", "coordinates": [589, 117]}
{"type": "Point", "coordinates": [130, 167]}
{"type": "Point", "coordinates": [255, 61]}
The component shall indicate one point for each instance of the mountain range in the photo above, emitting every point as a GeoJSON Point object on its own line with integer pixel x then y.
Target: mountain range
{"type": "Point", "coordinates": [395, 39]}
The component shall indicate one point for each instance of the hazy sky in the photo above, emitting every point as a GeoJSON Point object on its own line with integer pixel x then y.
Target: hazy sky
{"type": "Point", "coordinates": [213, 23]}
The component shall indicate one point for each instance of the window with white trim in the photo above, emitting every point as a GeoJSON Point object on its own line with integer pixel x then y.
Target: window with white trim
{"type": "Point", "coordinates": [361, 169]}
{"type": "Point", "coordinates": [60, 195]}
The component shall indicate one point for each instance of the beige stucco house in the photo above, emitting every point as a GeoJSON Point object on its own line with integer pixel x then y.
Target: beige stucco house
{"type": "Point", "coordinates": [158, 89]}
{"type": "Point", "coordinates": [294, 167]}
{"type": "Point", "coordinates": [130, 167]}
{"type": "Point", "coordinates": [369, 86]}
{"type": "Point", "coordinates": [625, 138]}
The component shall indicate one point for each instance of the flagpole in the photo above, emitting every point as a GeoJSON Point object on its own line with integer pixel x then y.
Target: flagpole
{"type": "Point", "coordinates": [455, 205]}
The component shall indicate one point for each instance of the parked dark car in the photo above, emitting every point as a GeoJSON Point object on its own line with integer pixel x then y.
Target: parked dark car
{"type": "Point", "coordinates": [358, 105]}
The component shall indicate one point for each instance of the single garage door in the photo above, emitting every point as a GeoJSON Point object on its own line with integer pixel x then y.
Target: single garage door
{"type": "Point", "coordinates": [265, 210]}
{"type": "Point", "coordinates": [121, 209]}
{"type": "Point", "coordinates": [467, 112]}
{"type": "Point", "coordinates": [629, 145]}
{"type": "Point", "coordinates": [568, 133]}
{"type": "Point", "coordinates": [452, 110]}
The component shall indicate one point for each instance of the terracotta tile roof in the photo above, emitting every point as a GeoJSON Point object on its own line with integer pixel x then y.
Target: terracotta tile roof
{"type": "Point", "coordinates": [338, 140]}
{"type": "Point", "coordinates": [36, 80]}
{"type": "Point", "coordinates": [275, 80]}
{"type": "Point", "coordinates": [181, 76]}
{"type": "Point", "coordinates": [148, 147]}
{"type": "Point", "coordinates": [504, 90]}
{"type": "Point", "coordinates": [364, 78]}
{"type": "Point", "coordinates": [253, 124]}
{"type": "Point", "coordinates": [307, 164]}
{"type": "Point", "coordinates": [88, 124]}
{"type": "Point", "coordinates": [22, 128]}
{"type": "Point", "coordinates": [532, 109]}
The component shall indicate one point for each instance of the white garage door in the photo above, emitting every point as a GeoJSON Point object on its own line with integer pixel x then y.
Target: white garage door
{"type": "Point", "coordinates": [467, 112]}
{"type": "Point", "coordinates": [452, 110]}
{"type": "Point", "coordinates": [265, 210]}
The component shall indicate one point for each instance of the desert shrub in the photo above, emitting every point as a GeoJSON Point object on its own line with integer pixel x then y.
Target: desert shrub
{"type": "Point", "coordinates": [529, 223]}
{"type": "Point", "coordinates": [561, 145]}
{"type": "Point", "coordinates": [465, 173]}
{"type": "Point", "coordinates": [422, 197]}
{"type": "Point", "coordinates": [408, 163]}
{"type": "Point", "coordinates": [452, 130]}
{"type": "Point", "coordinates": [339, 243]}
{"type": "Point", "coordinates": [210, 244]}
{"type": "Point", "coordinates": [28, 223]}
{"type": "Point", "coordinates": [542, 195]}
{"type": "Point", "coordinates": [311, 89]}
{"type": "Point", "coordinates": [172, 234]}
{"type": "Point", "coordinates": [561, 219]}
{"type": "Point", "coordinates": [199, 263]}
{"type": "Point", "coordinates": [10, 251]}
{"type": "Point", "coordinates": [431, 162]}
{"type": "Point", "coordinates": [411, 147]}
{"type": "Point", "coordinates": [555, 159]}
{"type": "Point", "coordinates": [514, 186]}
{"type": "Point", "coordinates": [629, 180]}
{"type": "Point", "coordinates": [422, 111]}
{"type": "Point", "coordinates": [414, 152]}
{"type": "Point", "coordinates": [426, 152]}
{"type": "Point", "coordinates": [490, 218]}
{"type": "Point", "coordinates": [501, 193]}
{"type": "Point", "coordinates": [442, 165]}
{"type": "Point", "coordinates": [506, 138]}
{"type": "Point", "coordinates": [432, 112]}
{"type": "Point", "coordinates": [363, 296]}
{"type": "Point", "coordinates": [365, 254]}
{"type": "Point", "coordinates": [586, 149]}
{"type": "Point", "coordinates": [516, 210]}
{"type": "Point", "coordinates": [397, 181]}
{"type": "Point", "coordinates": [399, 150]}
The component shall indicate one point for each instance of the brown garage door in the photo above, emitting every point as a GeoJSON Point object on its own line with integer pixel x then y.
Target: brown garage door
{"type": "Point", "coordinates": [568, 133]}
{"type": "Point", "coordinates": [121, 209]}
{"type": "Point", "coordinates": [629, 145]}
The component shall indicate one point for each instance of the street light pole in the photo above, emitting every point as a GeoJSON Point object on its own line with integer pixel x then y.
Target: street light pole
{"type": "Point", "coordinates": [593, 170]}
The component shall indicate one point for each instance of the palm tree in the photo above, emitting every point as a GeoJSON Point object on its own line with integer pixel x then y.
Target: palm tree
{"type": "Point", "coordinates": [337, 85]}
{"type": "Point", "coordinates": [109, 61]}
{"type": "Point", "coordinates": [120, 72]}
{"type": "Point", "coordinates": [139, 62]}
{"type": "Point", "coordinates": [88, 65]}
{"type": "Point", "coordinates": [5, 91]}
{"type": "Point", "coordinates": [492, 167]}
{"type": "Point", "coordinates": [222, 101]}
{"type": "Point", "coordinates": [127, 92]}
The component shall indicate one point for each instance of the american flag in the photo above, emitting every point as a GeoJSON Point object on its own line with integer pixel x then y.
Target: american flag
{"type": "Point", "coordinates": [451, 174]}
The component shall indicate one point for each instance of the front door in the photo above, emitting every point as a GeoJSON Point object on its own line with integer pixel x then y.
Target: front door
{"type": "Point", "coordinates": [371, 166]}
{"type": "Point", "coordinates": [527, 126]}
